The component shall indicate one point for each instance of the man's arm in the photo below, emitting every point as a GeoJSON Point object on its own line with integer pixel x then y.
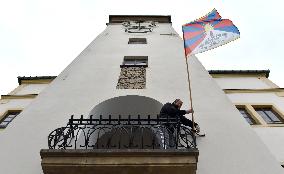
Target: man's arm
{"type": "Point", "coordinates": [170, 110]}
{"type": "Point", "coordinates": [189, 111]}
{"type": "Point", "coordinates": [181, 112]}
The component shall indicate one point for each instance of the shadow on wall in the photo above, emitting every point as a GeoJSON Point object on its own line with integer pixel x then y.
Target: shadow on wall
{"type": "Point", "coordinates": [133, 105]}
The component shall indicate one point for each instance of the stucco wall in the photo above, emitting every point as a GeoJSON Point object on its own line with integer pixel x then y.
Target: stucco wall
{"type": "Point", "coordinates": [273, 137]}
{"type": "Point", "coordinates": [11, 104]}
{"type": "Point", "coordinates": [31, 89]}
{"type": "Point", "coordinates": [20, 104]}
{"type": "Point", "coordinates": [92, 77]}
{"type": "Point", "coordinates": [241, 83]}
{"type": "Point", "coordinates": [257, 98]}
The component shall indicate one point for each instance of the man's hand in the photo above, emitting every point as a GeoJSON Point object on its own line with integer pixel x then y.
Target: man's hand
{"type": "Point", "coordinates": [189, 111]}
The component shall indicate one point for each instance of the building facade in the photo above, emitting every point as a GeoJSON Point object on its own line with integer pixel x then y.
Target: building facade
{"type": "Point", "coordinates": [125, 75]}
{"type": "Point", "coordinates": [13, 103]}
{"type": "Point", "coordinates": [260, 101]}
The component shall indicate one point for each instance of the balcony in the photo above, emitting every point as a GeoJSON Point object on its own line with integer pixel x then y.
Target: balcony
{"type": "Point", "coordinates": [121, 144]}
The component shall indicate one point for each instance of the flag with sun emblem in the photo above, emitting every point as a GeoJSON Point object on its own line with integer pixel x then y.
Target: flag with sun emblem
{"type": "Point", "coordinates": [207, 33]}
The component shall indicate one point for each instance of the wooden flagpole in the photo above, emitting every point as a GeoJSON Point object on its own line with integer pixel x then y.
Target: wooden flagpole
{"type": "Point", "coordinates": [190, 95]}
{"type": "Point", "coordinates": [189, 86]}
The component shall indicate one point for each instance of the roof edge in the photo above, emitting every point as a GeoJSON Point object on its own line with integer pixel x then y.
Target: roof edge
{"type": "Point", "coordinates": [251, 72]}
{"type": "Point", "coordinates": [21, 78]}
{"type": "Point", "coordinates": [155, 18]}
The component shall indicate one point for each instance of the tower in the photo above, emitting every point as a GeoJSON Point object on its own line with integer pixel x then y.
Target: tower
{"type": "Point", "coordinates": [134, 66]}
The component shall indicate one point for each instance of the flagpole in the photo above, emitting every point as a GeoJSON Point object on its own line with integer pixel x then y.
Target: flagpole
{"type": "Point", "coordinates": [189, 86]}
{"type": "Point", "coordinates": [190, 95]}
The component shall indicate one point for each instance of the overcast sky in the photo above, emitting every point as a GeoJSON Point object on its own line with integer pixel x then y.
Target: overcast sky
{"type": "Point", "coordinates": [41, 37]}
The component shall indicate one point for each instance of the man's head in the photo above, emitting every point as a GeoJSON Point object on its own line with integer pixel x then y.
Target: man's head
{"type": "Point", "coordinates": [178, 103]}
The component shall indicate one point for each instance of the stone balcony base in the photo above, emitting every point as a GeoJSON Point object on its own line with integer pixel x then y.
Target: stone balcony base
{"type": "Point", "coordinates": [119, 161]}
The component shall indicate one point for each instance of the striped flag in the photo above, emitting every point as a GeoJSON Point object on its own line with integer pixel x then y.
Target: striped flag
{"type": "Point", "coordinates": [213, 15]}
{"type": "Point", "coordinates": [207, 33]}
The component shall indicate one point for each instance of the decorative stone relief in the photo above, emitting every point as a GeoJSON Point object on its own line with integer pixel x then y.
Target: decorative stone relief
{"type": "Point", "coordinates": [132, 78]}
{"type": "Point", "coordinates": [139, 26]}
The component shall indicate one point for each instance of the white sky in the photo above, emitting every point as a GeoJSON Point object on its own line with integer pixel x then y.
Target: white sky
{"type": "Point", "coordinates": [40, 37]}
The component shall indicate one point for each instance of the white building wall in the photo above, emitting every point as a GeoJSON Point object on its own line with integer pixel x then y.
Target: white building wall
{"type": "Point", "coordinates": [257, 98]}
{"type": "Point", "coordinates": [31, 89]}
{"type": "Point", "coordinates": [91, 78]}
{"type": "Point", "coordinates": [21, 103]}
{"type": "Point", "coordinates": [10, 104]}
{"type": "Point", "coordinates": [273, 137]}
{"type": "Point", "coordinates": [241, 83]}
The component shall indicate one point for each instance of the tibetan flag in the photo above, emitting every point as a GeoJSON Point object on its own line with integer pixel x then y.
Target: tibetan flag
{"type": "Point", "coordinates": [203, 35]}
{"type": "Point", "coordinates": [213, 15]}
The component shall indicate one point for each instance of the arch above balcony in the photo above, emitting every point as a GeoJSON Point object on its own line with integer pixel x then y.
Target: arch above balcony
{"type": "Point", "coordinates": [133, 105]}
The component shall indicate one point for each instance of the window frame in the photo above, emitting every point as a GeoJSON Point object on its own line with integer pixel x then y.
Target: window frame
{"type": "Point", "coordinates": [274, 110]}
{"type": "Point", "coordinates": [250, 107]}
{"type": "Point", "coordinates": [137, 40]}
{"type": "Point", "coordinates": [6, 115]}
{"type": "Point", "coordinates": [252, 119]}
{"type": "Point", "coordinates": [135, 59]}
{"type": "Point", "coordinates": [251, 115]}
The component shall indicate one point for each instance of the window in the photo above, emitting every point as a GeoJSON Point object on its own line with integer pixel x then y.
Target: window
{"type": "Point", "coordinates": [261, 114]}
{"type": "Point", "coordinates": [137, 41]}
{"type": "Point", "coordinates": [247, 116]}
{"type": "Point", "coordinates": [269, 115]}
{"type": "Point", "coordinates": [138, 61]}
{"type": "Point", "coordinates": [9, 116]}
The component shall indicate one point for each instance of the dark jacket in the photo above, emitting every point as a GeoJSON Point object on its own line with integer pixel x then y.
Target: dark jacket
{"type": "Point", "coordinates": [170, 110]}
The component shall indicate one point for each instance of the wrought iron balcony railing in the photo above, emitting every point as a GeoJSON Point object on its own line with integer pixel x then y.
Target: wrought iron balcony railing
{"type": "Point", "coordinates": [122, 133]}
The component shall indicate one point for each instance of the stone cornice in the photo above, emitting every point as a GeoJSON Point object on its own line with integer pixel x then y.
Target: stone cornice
{"type": "Point", "coordinates": [26, 96]}
{"type": "Point", "coordinates": [228, 91]}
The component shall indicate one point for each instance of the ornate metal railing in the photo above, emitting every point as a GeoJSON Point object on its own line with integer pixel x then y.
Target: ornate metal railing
{"type": "Point", "coordinates": [122, 133]}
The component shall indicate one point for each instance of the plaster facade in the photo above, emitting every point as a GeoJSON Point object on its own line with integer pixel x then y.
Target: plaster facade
{"type": "Point", "coordinates": [230, 145]}
{"type": "Point", "coordinates": [31, 89]}
{"type": "Point", "coordinates": [20, 97]}
{"type": "Point", "coordinates": [242, 83]}
{"type": "Point", "coordinates": [271, 135]}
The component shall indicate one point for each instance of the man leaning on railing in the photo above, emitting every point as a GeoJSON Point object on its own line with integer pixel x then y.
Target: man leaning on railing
{"type": "Point", "coordinates": [172, 110]}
